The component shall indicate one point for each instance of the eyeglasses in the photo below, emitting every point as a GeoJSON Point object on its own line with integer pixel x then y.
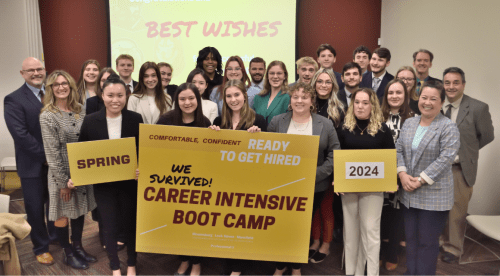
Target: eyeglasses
{"type": "Point", "coordinates": [32, 71]}
{"type": "Point", "coordinates": [57, 85]}
{"type": "Point", "coordinates": [233, 69]}
{"type": "Point", "coordinates": [320, 82]}
{"type": "Point", "coordinates": [406, 79]}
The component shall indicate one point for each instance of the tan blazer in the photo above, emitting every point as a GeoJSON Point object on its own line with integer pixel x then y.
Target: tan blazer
{"type": "Point", "coordinates": [141, 106]}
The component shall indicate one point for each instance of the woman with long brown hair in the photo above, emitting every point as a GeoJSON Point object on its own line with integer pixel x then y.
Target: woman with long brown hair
{"type": "Point", "coordinates": [95, 103]}
{"type": "Point", "coordinates": [88, 82]}
{"type": "Point", "coordinates": [148, 98]}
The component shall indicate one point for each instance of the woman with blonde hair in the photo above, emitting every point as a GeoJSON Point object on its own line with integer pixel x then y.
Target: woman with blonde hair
{"type": "Point", "coordinates": [60, 122]}
{"type": "Point", "coordinates": [148, 98]}
{"type": "Point", "coordinates": [363, 129]}
{"type": "Point", "coordinates": [273, 99]}
{"type": "Point", "coordinates": [407, 75]}
{"type": "Point", "coordinates": [88, 81]}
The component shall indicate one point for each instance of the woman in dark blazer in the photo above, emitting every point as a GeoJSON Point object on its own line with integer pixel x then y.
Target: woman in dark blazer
{"type": "Point", "coordinates": [303, 122]}
{"type": "Point", "coordinates": [95, 103]}
{"type": "Point", "coordinates": [116, 201]}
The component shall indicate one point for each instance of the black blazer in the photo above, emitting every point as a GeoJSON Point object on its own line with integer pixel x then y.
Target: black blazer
{"type": "Point", "coordinates": [343, 98]}
{"type": "Point", "coordinates": [171, 88]}
{"type": "Point", "coordinates": [259, 121]}
{"type": "Point", "coordinates": [94, 104]}
{"type": "Point", "coordinates": [21, 113]}
{"type": "Point", "coordinates": [134, 83]}
{"type": "Point", "coordinates": [338, 76]}
{"type": "Point", "coordinates": [367, 82]}
{"type": "Point", "coordinates": [95, 126]}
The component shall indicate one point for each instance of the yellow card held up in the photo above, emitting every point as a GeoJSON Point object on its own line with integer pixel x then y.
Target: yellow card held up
{"type": "Point", "coordinates": [365, 170]}
{"type": "Point", "coordinates": [225, 194]}
{"type": "Point", "coordinates": [102, 161]}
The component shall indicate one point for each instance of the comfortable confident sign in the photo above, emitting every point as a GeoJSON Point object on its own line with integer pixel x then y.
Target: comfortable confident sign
{"type": "Point", "coordinates": [102, 161]}
{"type": "Point", "coordinates": [228, 193]}
{"type": "Point", "coordinates": [365, 170]}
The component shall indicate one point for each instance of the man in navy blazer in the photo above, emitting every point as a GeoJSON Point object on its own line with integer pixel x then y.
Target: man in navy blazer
{"type": "Point", "coordinates": [473, 120]}
{"type": "Point", "coordinates": [21, 111]}
{"type": "Point", "coordinates": [326, 58]}
{"type": "Point", "coordinates": [422, 61]}
{"type": "Point", "coordinates": [125, 68]}
{"type": "Point", "coordinates": [351, 76]}
{"type": "Point", "coordinates": [379, 77]}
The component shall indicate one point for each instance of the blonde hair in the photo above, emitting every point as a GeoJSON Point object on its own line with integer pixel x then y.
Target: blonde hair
{"type": "Point", "coordinates": [306, 60]}
{"type": "Point", "coordinates": [376, 118]}
{"type": "Point", "coordinates": [413, 91]}
{"type": "Point", "coordinates": [335, 106]}
{"type": "Point", "coordinates": [247, 115]}
{"type": "Point", "coordinates": [49, 100]}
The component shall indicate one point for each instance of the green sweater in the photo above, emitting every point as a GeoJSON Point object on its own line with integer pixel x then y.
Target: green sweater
{"type": "Point", "coordinates": [279, 105]}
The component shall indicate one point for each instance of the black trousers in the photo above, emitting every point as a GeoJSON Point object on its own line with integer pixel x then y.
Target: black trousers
{"type": "Point", "coordinates": [117, 207]}
{"type": "Point", "coordinates": [76, 232]}
{"type": "Point", "coordinates": [391, 228]}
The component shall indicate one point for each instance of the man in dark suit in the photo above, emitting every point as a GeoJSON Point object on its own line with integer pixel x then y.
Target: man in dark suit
{"type": "Point", "coordinates": [21, 111]}
{"type": "Point", "coordinates": [362, 56]}
{"type": "Point", "coordinates": [378, 79]}
{"type": "Point", "coordinates": [125, 68]}
{"type": "Point", "coordinates": [351, 76]}
{"type": "Point", "coordinates": [473, 120]}
{"type": "Point", "coordinates": [326, 58]}
{"type": "Point", "coordinates": [422, 61]}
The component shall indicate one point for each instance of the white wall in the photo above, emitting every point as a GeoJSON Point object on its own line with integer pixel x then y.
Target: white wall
{"type": "Point", "coordinates": [13, 50]}
{"type": "Point", "coordinates": [462, 33]}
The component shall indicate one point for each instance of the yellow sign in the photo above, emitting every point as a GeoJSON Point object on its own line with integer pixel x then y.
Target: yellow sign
{"type": "Point", "coordinates": [365, 170]}
{"type": "Point", "coordinates": [102, 161]}
{"type": "Point", "coordinates": [228, 193]}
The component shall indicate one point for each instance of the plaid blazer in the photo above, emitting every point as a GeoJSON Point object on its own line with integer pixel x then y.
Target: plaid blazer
{"type": "Point", "coordinates": [433, 160]}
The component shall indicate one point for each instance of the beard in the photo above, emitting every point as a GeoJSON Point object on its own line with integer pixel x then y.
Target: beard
{"type": "Point", "coordinates": [255, 76]}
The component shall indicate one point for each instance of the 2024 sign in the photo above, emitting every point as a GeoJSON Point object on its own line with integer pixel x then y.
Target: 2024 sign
{"type": "Point", "coordinates": [364, 170]}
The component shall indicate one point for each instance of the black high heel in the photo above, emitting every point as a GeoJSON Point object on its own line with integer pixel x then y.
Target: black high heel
{"type": "Point", "coordinates": [73, 260]}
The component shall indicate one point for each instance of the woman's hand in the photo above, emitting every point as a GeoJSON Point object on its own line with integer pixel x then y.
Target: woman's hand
{"type": "Point", "coordinates": [71, 184]}
{"type": "Point", "coordinates": [253, 129]}
{"type": "Point", "coordinates": [333, 184]}
{"type": "Point", "coordinates": [65, 194]}
{"type": "Point", "coordinates": [213, 127]}
{"type": "Point", "coordinates": [137, 174]}
{"type": "Point", "coordinates": [405, 181]}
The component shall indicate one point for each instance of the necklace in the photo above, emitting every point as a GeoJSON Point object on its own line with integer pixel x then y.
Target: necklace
{"type": "Point", "coordinates": [362, 130]}
{"type": "Point", "coordinates": [300, 124]}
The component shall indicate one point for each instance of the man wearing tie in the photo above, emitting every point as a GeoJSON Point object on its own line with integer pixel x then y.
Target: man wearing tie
{"type": "Point", "coordinates": [351, 76]}
{"type": "Point", "coordinates": [379, 77]}
{"type": "Point", "coordinates": [21, 111]}
{"type": "Point", "coordinates": [125, 68]}
{"type": "Point", "coordinates": [422, 61]}
{"type": "Point", "coordinates": [473, 120]}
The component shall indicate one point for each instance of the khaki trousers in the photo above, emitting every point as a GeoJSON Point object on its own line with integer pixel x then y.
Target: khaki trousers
{"type": "Point", "coordinates": [454, 231]}
{"type": "Point", "coordinates": [362, 213]}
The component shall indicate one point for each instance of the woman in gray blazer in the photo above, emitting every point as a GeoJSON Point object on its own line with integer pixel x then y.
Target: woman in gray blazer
{"type": "Point", "coordinates": [301, 120]}
{"type": "Point", "coordinates": [426, 148]}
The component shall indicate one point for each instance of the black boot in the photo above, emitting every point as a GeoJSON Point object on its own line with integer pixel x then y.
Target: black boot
{"type": "Point", "coordinates": [73, 260]}
{"type": "Point", "coordinates": [78, 249]}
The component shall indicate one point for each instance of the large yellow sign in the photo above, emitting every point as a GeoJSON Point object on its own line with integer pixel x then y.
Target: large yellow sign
{"type": "Point", "coordinates": [229, 194]}
{"type": "Point", "coordinates": [102, 161]}
{"type": "Point", "coordinates": [365, 170]}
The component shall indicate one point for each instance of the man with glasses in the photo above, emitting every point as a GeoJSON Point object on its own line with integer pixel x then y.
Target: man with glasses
{"type": "Point", "coordinates": [21, 111]}
{"type": "Point", "coordinates": [422, 61]}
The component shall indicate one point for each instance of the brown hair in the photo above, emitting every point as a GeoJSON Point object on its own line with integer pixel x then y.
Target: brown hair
{"type": "Point", "coordinates": [267, 85]}
{"type": "Point", "coordinates": [163, 102]}
{"type": "Point", "coordinates": [247, 115]}
{"type": "Point", "coordinates": [81, 82]}
{"type": "Point", "coordinates": [125, 56]}
{"type": "Point", "coordinates": [307, 89]}
{"type": "Point", "coordinates": [244, 77]}
{"type": "Point", "coordinates": [413, 92]}
{"type": "Point", "coordinates": [404, 110]}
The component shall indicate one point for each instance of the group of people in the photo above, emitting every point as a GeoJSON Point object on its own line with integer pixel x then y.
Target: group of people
{"type": "Point", "coordinates": [436, 129]}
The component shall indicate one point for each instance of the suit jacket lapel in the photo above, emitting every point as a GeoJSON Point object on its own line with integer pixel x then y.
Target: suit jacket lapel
{"type": "Point", "coordinates": [463, 110]}
{"type": "Point", "coordinates": [285, 123]}
{"type": "Point", "coordinates": [342, 95]}
{"type": "Point", "coordinates": [144, 102]}
{"type": "Point", "coordinates": [32, 98]}
{"type": "Point", "coordinates": [429, 134]}
{"type": "Point", "coordinates": [102, 125]}
{"type": "Point", "coordinates": [275, 102]}
{"type": "Point", "coordinates": [317, 126]}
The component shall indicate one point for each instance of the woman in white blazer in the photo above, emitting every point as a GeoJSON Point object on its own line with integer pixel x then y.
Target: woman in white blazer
{"type": "Point", "coordinates": [148, 98]}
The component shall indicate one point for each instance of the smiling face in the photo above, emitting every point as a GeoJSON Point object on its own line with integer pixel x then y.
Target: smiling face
{"type": "Point", "coordinates": [306, 72]}
{"type": "Point", "coordinates": [301, 102]}
{"type": "Point", "coordinates": [352, 78]}
{"type": "Point", "coordinates": [395, 95]}
{"type": "Point", "coordinates": [233, 71]}
{"type": "Point", "coordinates": [378, 64]}
{"type": "Point", "coordinates": [90, 73]}
{"type": "Point", "coordinates": [200, 83]}
{"type": "Point", "coordinates": [150, 79]}
{"type": "Point", "coordinates": [326, 59]}
{"type": "Point", "coordinates": [257, 70]}
{"type": "Point", "coordinates": [276, 76]}
{"type": "Point", "coordinates": [422, 63]}
{"type": "Point", "coordinates": [33, 72]}
{"type": "Point", "coordinates": [362, 106]}
{"type": "Point", "coordinates": [61, 88]}
{"type": "Point", "coordinates": [187, 101]}
{"type": "Point", "coordinates": [324, 86]}
{"type": "Point", "coordinates": [125, 67]}
{"type": "Point", "coordinates": [234, 98]}
{"type": "Point", "coordinates": [362, 59]}
{"type": "Point", "coordinates": [210, 64]}
{"type": "Point", "coordinates": [166, 75]}
{"type": "Point", "coordinates": [429, 102]}
{"type": "Point", "coordinates": [454, 86]}
{"type": "Point", "coordinates": [115, 98]}
{"type": "Point", "coordinates": [408, 78]}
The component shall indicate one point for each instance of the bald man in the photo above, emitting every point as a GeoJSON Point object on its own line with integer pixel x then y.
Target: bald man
{"type": "Point", "coordinates": [21, 111]}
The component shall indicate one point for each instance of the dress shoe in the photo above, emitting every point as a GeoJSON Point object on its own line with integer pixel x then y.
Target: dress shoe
{"type": "Point", "coordinates": [312, 252]}
{"type": "Point", "coordinates": [391, 266]}
{"type": "Point", "coordinates": [45, 258]}
{"type": "Point", "coordinates": [319, 257]}
{"type": "Point", "coordinates": [120, 247]}
{"type": "Point", "coordinates": [74, 260]}
{"type": "Point", "coordinates": [78, 249]}
{"type": "Point", "coordinates": [447, 257]}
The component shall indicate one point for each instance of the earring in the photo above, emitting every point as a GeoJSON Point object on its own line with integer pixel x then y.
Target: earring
{"type": "Point", "coordinates": [311, 108]}
{"type": "Point", "coordinates": [289, 107]}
